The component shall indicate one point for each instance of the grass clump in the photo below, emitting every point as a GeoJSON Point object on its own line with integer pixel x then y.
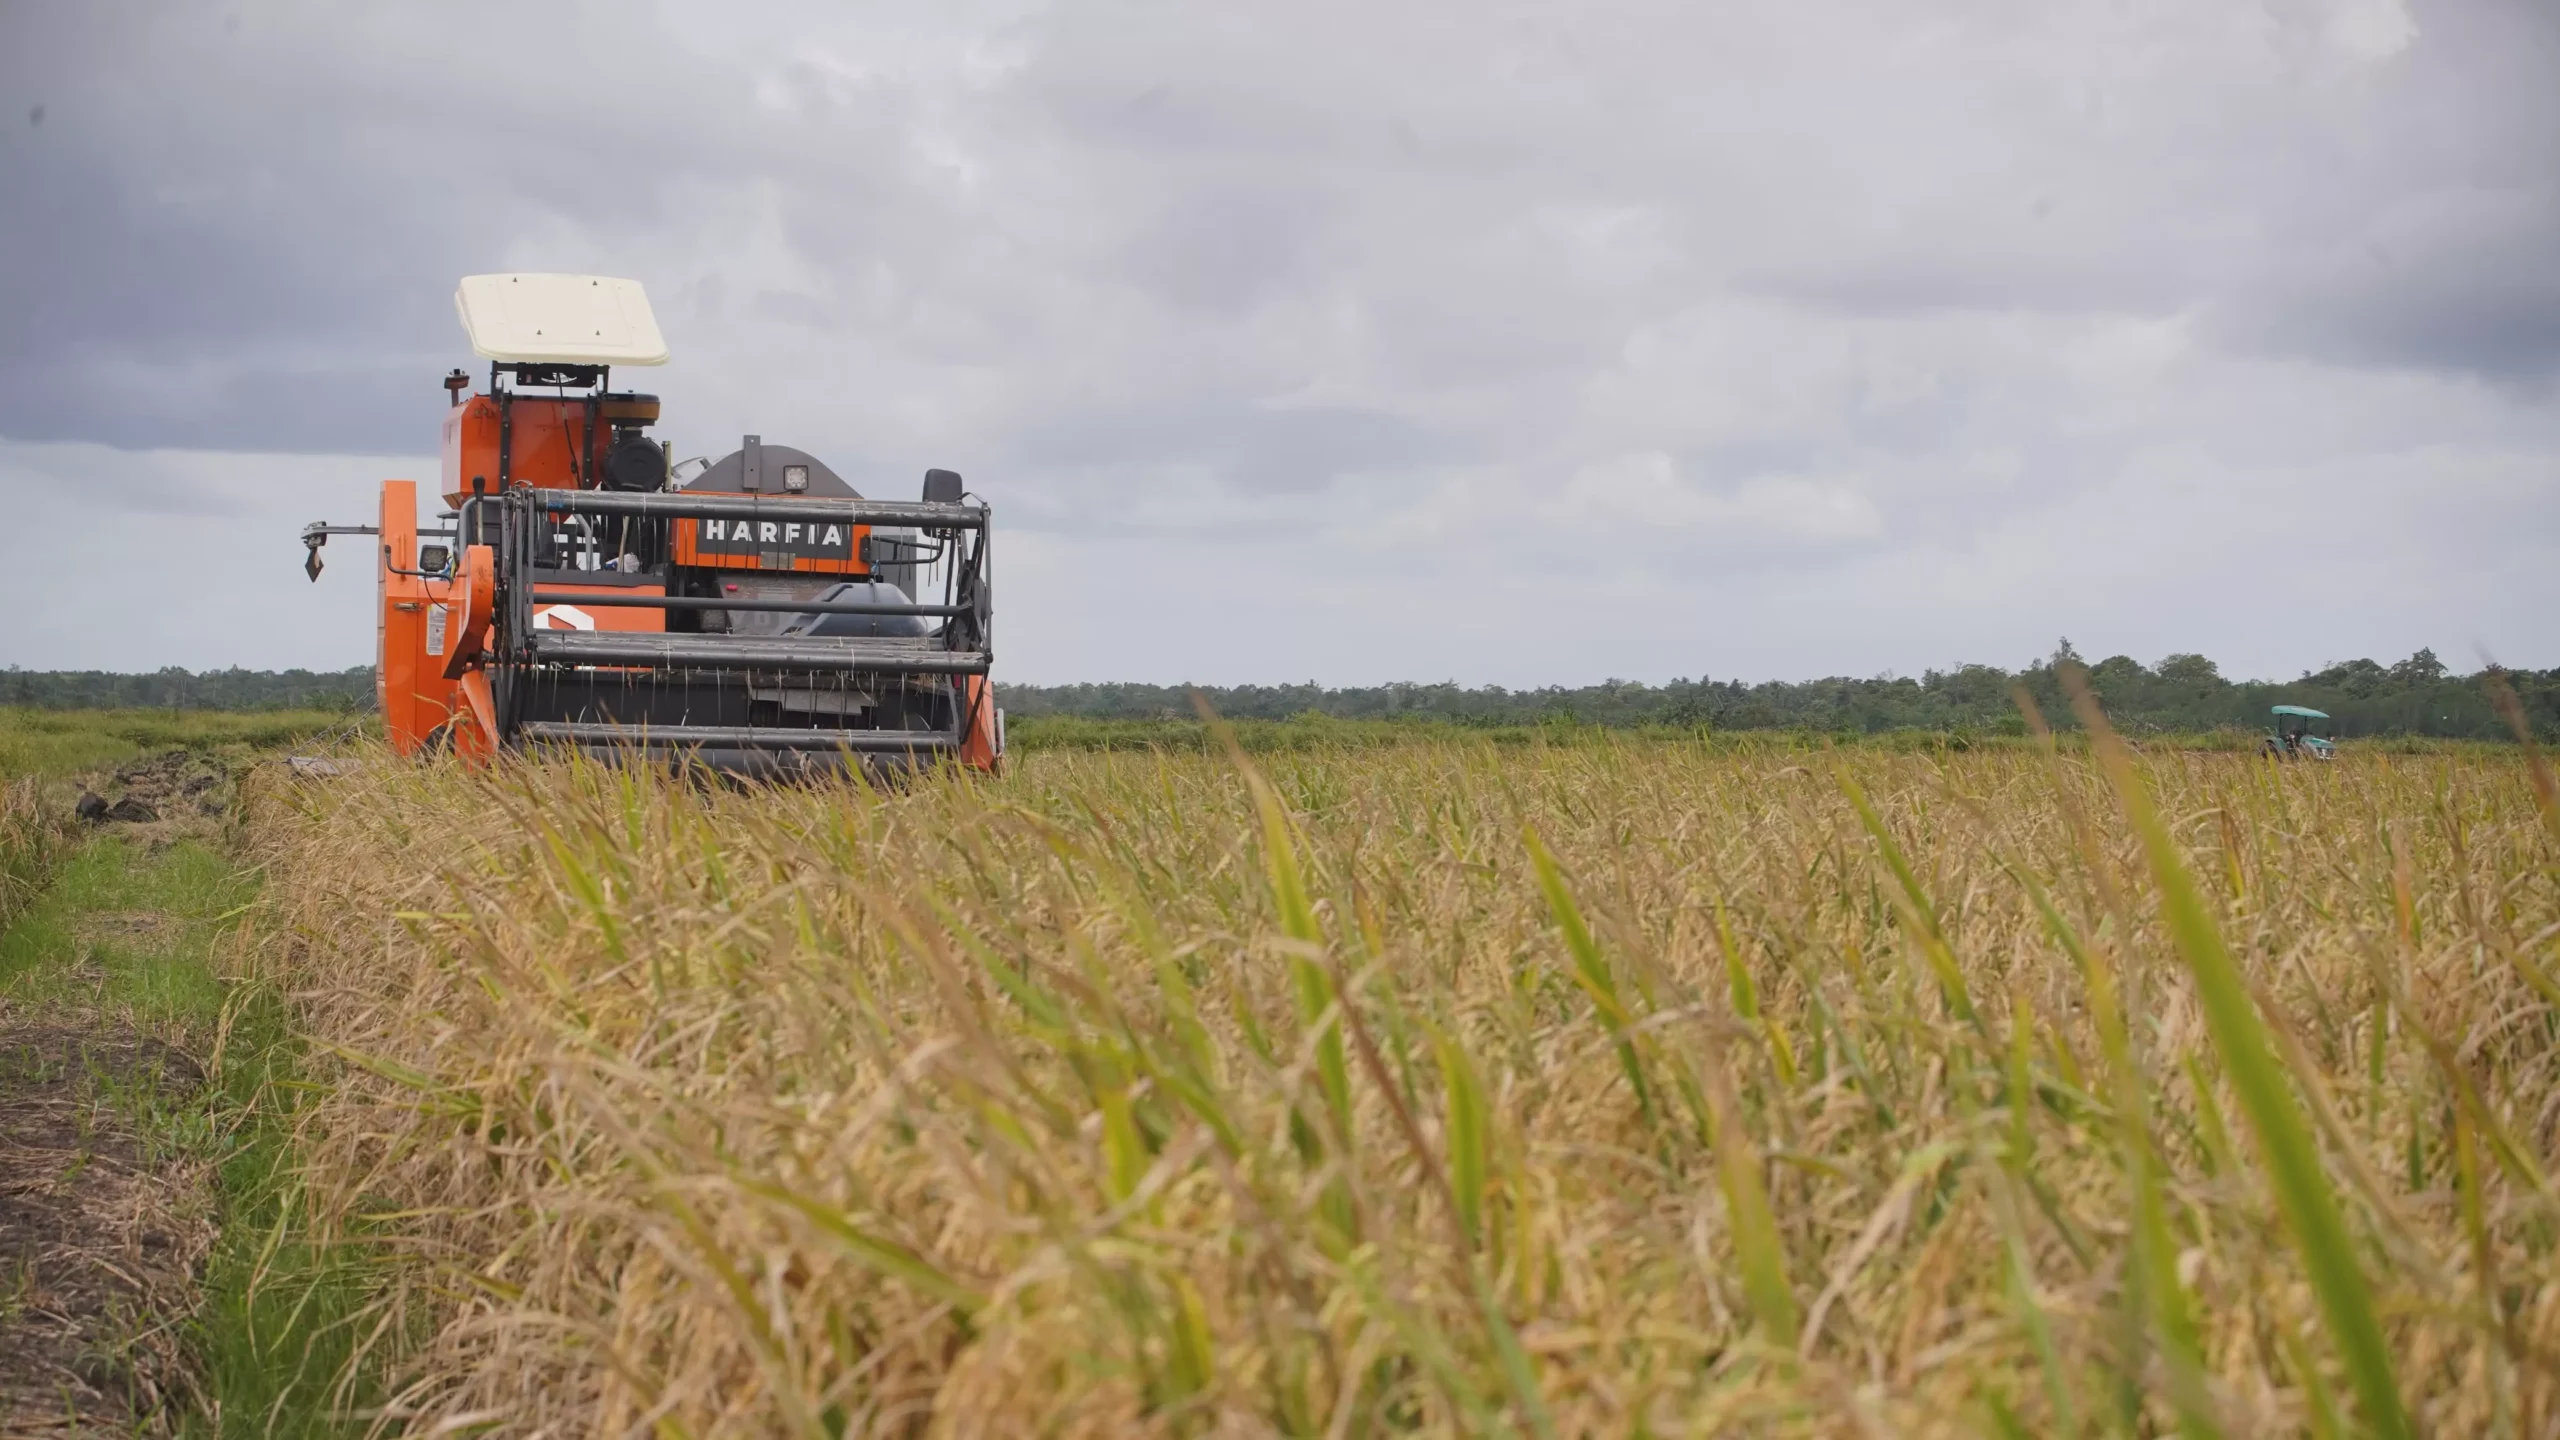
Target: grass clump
{"type": "Point", "coordinates": [34, 838]}
{"type": "Point", "coordinates": [287, 1338]}
{"type": "Point", "coordinates": [1450, 1088]}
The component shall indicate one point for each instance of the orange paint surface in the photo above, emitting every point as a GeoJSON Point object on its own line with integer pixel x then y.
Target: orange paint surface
{"type": "Point", "coordinates": [417, 700]}
{"type": "Point", "coordinates": [543, 445]}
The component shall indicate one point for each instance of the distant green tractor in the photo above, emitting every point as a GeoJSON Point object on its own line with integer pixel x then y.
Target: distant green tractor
{"type": "Point", "coordinates": [2293, 739]}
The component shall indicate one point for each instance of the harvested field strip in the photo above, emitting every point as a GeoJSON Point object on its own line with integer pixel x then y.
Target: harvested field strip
{"type": "Point", "coordinates": [101, 1228]}
{"type": "Point", "coordinates": [107, 1198]}
{"type": "Point", "coordinates": [1450, 1089]}
{"type": "Point", "coordinates": [161, 1280]}
{"type": "Point", "coordinates": [113, 938]}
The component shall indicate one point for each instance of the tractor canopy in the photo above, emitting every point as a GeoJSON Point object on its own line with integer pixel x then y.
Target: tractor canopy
{"type": "Point", "coordinates": [2293, 732]}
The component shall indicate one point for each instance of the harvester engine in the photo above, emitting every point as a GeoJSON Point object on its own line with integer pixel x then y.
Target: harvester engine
{"type": "Point", "coordinates": [763, 617]}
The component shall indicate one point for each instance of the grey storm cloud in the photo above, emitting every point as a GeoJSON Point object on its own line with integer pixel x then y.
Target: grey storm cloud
{"type": "Point", "coordinates": [1826, 322]}
{"type": "Point", "coordinates": [233, 203]}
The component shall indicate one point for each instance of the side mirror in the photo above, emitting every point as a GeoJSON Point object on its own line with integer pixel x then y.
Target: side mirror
{"type": "Point", "coordinates": [942, 487]}
{"type": "Point", "coordinates": [434, 559]}
{"type": "Point", "coordinates": [317, 533]}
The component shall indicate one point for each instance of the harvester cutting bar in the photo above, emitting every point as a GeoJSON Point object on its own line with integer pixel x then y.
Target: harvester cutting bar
{"type": "Point", "coordinates": [729, 652]}
{"type": "Point", "coordinates": [676, 504]}
{"type": "Point", "coordinates": [733, 602]}
{"type": "Point", "coordinates": [738, 737]}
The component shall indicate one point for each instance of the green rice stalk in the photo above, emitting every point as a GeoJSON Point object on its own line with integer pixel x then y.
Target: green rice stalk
{"type": "Point", "coordinates": [1758, 1245]}
{"type": "Point", "coordinates": [2248, 1054]}
{"type": "Point", "coordinates": [1591, 970]}
{"type": "Point", "coordinates": [1920, 916]}
{"type": "Point", "coordinates": [1463, 1126]}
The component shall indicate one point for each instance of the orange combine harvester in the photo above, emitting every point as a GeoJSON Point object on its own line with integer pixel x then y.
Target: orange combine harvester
{"type": "Point", "coordinates": [761, 618]}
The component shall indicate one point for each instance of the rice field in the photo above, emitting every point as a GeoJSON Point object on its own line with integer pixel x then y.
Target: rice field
{"type": "Point", "coordinates": [1643, 1087]}
{"type": "Point", "coordinates": [62, 744]}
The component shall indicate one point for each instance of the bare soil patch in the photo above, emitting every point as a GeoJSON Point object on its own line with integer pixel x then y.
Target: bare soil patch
{"type": "Point", "coordinates": [163, 798]}
{"type": "Point", "coordinates": [101, 1232]}
{"type": "Point", "coordinates": [132, 927]}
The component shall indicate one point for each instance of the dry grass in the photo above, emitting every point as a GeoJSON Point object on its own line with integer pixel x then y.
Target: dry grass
{"type": "Point", "coordinates": [35, 835]}
{"type": "Point", "coordinates": [1037, 1105]}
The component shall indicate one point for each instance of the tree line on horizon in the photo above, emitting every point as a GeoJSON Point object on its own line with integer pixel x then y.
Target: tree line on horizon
{"type": "Point", "coordinates": [174, 688]}
{"type": "Point", "coordinates": [2182, 693]}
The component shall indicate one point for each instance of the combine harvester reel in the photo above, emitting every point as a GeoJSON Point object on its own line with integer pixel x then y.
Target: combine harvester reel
{"type": "Point", "coordinates": [764, 619]}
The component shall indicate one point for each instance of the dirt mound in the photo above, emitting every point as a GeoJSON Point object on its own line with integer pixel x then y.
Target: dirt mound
{"type": "Point", "coordinates": [100, 1236]}
{"type": "Point", "coordinates": [164, 797]}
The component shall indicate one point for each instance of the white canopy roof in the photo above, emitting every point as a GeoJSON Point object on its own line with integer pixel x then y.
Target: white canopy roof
{"type": "Point", "coordinates": [559, 319]}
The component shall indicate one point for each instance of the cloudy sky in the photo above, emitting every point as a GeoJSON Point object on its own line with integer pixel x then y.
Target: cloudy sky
{"type": "Point", "coordinates": [1401, 339]}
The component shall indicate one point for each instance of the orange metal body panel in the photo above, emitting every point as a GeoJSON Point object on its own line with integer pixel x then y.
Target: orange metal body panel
{"type": "Point", "coordinates": [476, 738]}
{"type": "Point", "coordinates": [409, 650]}
{"type": "Point", "coordinates": [472, 599]}
{"type": "Point", "coordinates": [688, 551]}
{"type": "Point", "coordinates": [978, 747]}
{"type": "Point", "coordinates": [542, 450]}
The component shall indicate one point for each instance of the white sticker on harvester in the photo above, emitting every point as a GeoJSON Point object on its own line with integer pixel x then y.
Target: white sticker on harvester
{"type": "Point", "coordinates": [435, 629]}
{"type": "Point", "coordinates": [562, 617]}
